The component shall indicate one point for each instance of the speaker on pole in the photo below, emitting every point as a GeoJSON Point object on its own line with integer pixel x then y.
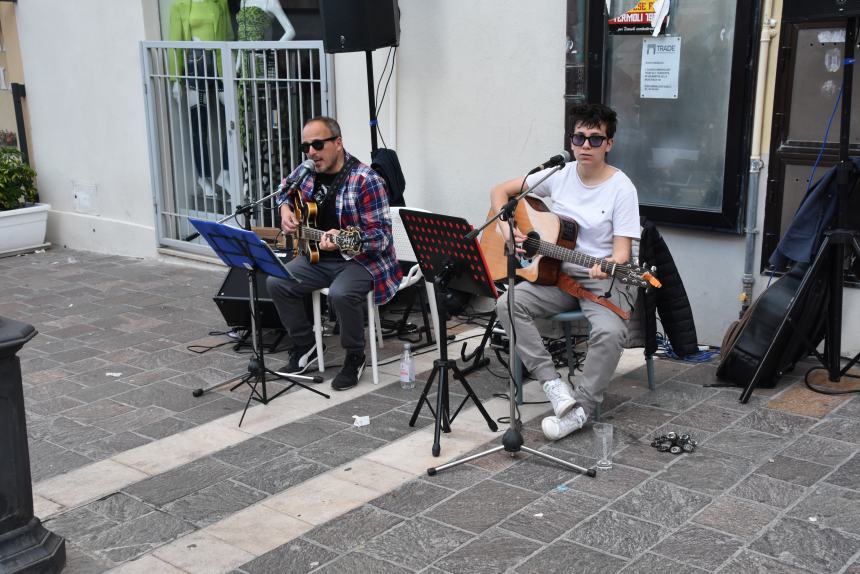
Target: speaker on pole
{"type": "Point", "coordinates": [359, 25]}
{"type": "Point", "coordinates": [809, 10]}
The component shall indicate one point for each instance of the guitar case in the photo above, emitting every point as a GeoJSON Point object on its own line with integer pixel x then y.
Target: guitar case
{"type": "Point", "coordinates": [773, 334]}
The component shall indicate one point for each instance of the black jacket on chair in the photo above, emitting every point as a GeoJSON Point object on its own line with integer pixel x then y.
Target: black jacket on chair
{"type": "Point", "coordinates": [670, 301]}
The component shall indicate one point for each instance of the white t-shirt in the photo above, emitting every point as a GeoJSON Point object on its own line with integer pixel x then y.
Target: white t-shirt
{"type": "Point", "coordinates": [601, 211]}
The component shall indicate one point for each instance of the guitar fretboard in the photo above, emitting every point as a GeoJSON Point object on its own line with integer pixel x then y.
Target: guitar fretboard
{"type": "Point", "coordinates": [569, 255]}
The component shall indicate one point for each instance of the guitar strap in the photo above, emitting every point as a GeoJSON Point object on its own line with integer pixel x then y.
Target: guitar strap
{"type": "Point", "coordinates": [570, 285]}
{"type": "Point", "coordinates": [338, 181]}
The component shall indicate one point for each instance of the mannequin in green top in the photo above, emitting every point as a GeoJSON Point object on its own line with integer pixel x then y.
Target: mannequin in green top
{"type": "Point", "coordinates": [199, 20]}
{"type": "Point", "coordinates": [255, 20]}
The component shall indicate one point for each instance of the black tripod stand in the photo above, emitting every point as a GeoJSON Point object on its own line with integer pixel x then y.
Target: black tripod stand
{"type": "Point", "coordinates": [512, 440]}
{"type": "Point", "coordinates": [833, 247]}
{"type": "Point", "coordinates": [447, 259]}
{"type": "Point", "coordinates": [244, 250]}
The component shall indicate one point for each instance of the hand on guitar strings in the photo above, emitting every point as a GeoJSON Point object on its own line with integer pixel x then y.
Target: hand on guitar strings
{"type": "Point", "coordinates": [327, 243]}
{"type": "Point", "coordinates": [519, 237]}
{"type": "Point", "coordinates": [289, 222]}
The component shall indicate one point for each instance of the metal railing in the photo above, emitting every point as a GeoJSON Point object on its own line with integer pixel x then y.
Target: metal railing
{"type": "Point", "coordinates": [224, 124]}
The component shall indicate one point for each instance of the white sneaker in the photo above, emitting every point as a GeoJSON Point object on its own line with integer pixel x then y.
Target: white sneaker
{"type": "Point", "coordinates": [559, 394]}
{"type": "Point", "coordinates": [555, 428]}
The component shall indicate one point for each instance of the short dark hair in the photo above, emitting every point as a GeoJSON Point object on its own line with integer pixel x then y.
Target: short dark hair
{"type": "Point", "coordinates": [330, 123]}
{"type": "Point", "coordinates": [593, 115]}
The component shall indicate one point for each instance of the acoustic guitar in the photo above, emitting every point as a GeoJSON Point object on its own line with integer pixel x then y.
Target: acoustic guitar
{"type": "Point", "coordinates": [308, 237]}
{"type": "Point", "coordinates": [544, 257]}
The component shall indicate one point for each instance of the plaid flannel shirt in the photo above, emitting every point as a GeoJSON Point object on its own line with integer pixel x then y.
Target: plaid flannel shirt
{"type": "Point", "coordinates": [363, 202]}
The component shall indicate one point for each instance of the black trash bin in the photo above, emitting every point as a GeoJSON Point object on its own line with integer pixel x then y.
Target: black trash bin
{"type": "Point", "coordinates": [25, 545]}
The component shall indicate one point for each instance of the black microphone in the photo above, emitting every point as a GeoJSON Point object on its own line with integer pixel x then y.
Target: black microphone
{"type": "Point", "coordinates": [305, 169]}
{"type": "Point", "coordinates": [556, 160]}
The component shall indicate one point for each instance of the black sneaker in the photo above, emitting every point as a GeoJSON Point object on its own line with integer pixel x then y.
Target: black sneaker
{"type": "Point", "coordinates": [301, 359]}
{"type": "Point", "coordinates": [348, 376]}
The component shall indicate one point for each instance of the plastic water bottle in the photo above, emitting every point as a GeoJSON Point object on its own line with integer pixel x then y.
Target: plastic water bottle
{"type": "Point", "coordinates": [407, 368]}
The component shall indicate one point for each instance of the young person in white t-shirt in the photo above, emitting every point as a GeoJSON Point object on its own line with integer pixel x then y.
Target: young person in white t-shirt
{"type": "Point", "coordinates": [603, 202]}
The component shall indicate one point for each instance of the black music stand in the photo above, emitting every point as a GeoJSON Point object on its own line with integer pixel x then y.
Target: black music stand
{"type": "Point", "coordinates": [245, 250]}
{"type": "Point", "coordinates": [833, 248]}
{"type": "Point", "coordinates": [447, 259]}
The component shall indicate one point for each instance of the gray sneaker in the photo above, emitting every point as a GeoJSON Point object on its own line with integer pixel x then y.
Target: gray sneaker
{"type": "Point", "coordinates": [559, 394]}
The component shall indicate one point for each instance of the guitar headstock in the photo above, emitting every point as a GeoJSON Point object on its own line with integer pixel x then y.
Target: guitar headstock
{"type": "Point", "coordinates": [640, 276]}
{"type": "Point", "coordinates": [349, 241]}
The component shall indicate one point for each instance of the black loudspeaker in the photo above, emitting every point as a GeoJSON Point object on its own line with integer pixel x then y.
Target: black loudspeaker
{"type": "Point", "coordinates": [808, 10]}
{"type": "Point", "coordinates": [359, 25]}
{"type": "Point", "coordinates": [232, 300]}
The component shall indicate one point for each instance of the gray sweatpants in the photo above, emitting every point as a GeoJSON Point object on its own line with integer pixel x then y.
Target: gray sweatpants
{"type": "Point", "coordinates": [607, 335]}
{"type": "Point", "coordinates": [348, 283]}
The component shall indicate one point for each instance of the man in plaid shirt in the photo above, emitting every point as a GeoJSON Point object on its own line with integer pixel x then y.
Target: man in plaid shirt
{"type": "Point", "coordinates": [348, 194]}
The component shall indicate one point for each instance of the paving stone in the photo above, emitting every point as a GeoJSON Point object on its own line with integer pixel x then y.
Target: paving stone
{"type": "Point", "coordinates": [768, 491]}
{"type": "Point", "coordinates": [213, 503]}
{"type": "Point", "coordinates": [490, 553]}
{"type": "Point", "coordinates": [165, 395]}
{"type": "Point", "coordinates": [553, 514]}
{"type": "Point", "coordinates": [839, 428]}
{"type": "Point", "coordinates": [459, 477]}
{"type": "Point", "coordinates": [807, 545]}
{"type": "Point", "coordinates": [85, 366]}
{"type": "Point", "coordinates": [661, 502]}
{"type": "Point", "coordinates": [353, 529]}
{"type": "Point", "coordinates": [356, 562]}
{"type": "Point", "coordinates": [53, 406]}
{"type": "Point", "coordinates": [754, 563]}
{"type": "Point", "coordinates": [38, 393]}
{"type": "Point", "coordinates": [281, 473]}
{"type": "Point", "coordinates": [164, 427]}
{"type": "Point", "coordinates": [393, 425]}
{"type": "Point", "coordinates": [411, 498]}
{"type": "Point", "coordinates": [675, 396]}
{"type": "Point", "coordinates": [847, 475]}
{"type": "Point", "coordinates": [340, 448]}
{"type": "Point", "coordinates": [495, 500]}
{"type": "Point", "coordinates": [654, 564]}
{"type": "Point", "coordinates": [642, 455]}
{"type": "Point", "coordinates": [108, 446]}
{"type": "Point", "coordinates": [172, 485]}
{"type": "Point", "coordinates": [638, 420]}
{"type": "Point", "coordinates": [830, 506]}
{"type": "Point", "coordinates": [128, 540]}
{"type": "Point", "coordinates": [728, 399]}
{"type": "Point", "coordinates": [698, 547]}
{"type": "Point", "coordinates": [68, 433]}
{"type": "Point", "coordinates": [751, 444]}
{"type": "Point", "coordinates": [610, 484]}
{"type": "Point", "coordinates": [542, 475]}
{"type": "Point", "coordinates": [416, 543]}
{"type": "Point", "coordinates": [563, 557]}
{"type": "Point", "coordinates": [97, 411]}
{"type": "Point", "coordinates": [617, 534]}
{"type": "Point", "coordinates": [147, 377]}
{"type": "Point", "coordinates": [48, 460]}
{"type": "Point", "coordinates": [708, 471]}
{"type": "Point", "coordinates": [79, 523]}
{"type": "Point", "coordinates": [305, 431]}
{"type": "Point", "coordinates": [251, 453]}
{"type": "Point", "coordinates": [211, 410]}
{"type": "Point", "coordinates": [159, 359]}
{"type": "Point", "coordinates": [78, 562]}
{"type": "Point", "coordinates": [119, 507]}
{"type": "Point", "coordinates": [707, 417]}
{"type": "Point", "coordinates": [739, 517]}
{"type": "Point", "coordinates": [365, 405]}
{"type": "Point", "coordinates": [107, 390]}
{"type": "Point", "coordinates": [296, 557]}
{"type": "Point", "coordinates": [776, 422]}
{"type": "Point", "coordinates": [849, 409]}
{"type": "Point", "coordinates": [793, 470]}
{"type": "Point", "coordinates": [820, 450]}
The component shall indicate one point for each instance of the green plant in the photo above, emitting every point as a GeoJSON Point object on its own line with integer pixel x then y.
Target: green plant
{"type": "Point", "coordinates": [17, 180]}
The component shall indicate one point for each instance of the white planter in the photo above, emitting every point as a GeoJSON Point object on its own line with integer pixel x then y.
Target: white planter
{"type": "Point", "coordinates": [23, 228]}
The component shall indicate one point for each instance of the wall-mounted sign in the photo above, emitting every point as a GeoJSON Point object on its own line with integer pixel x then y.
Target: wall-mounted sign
{"type": "Point", "coordinates": [637, 20]}
{"type": "Point", "coordinates": [661, 60]}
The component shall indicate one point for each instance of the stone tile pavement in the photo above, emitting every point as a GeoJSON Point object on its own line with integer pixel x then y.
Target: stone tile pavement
{"type": "Point", "coordinates": [138, 475]}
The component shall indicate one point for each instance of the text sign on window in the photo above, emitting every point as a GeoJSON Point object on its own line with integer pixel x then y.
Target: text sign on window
{"type": "Point", "coordinates": [661, 60]}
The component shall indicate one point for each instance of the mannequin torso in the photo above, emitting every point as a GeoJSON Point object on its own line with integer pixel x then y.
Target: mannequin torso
{"type": "Point", "coordinates": [255, 20]}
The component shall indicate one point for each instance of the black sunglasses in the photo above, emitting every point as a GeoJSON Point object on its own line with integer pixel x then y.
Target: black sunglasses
{"type": "Point", "coordinates": [578, 140]}
{"type": "Point", "coordinates": [316, 144]}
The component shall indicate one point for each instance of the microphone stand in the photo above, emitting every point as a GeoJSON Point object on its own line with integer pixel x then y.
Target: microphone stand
{"type": "Point", "coordinates": [512, 440]}
{"type": "Point", "coordinates": [240, 209]}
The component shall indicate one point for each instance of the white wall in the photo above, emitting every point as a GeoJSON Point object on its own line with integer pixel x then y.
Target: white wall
{"type": "Point", "coordinates": [84, 92]}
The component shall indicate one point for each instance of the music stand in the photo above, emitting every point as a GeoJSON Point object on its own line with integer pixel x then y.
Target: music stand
{"type": "Point", "coordinates": [447, 259]}
{"type": "Point", "coordinates": [245, 250]}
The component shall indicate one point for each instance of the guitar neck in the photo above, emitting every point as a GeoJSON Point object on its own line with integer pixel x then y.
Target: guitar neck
{"type": "Point", "coordinates": [313, 234]}
{"type": "Point", "coordinates": [570, 256]}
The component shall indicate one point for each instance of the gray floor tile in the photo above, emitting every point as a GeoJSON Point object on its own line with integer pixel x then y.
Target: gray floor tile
{"type": "Point", "coordinates": [776, 422]}
{"type": "Point", "coordinates": [106, 447]}
{"type": "Point", "coordinates": [78, 562]}
{"type": "Point", "coordinates": [340, 448]}
{"type": "Point", "coordinates": [552, 515]}
{"type": "Point", "coordinates": [365, 405]}
{"type": "Point", "coordinates": [211, 410]}
{"type": "Point", "coordinates": [610, 484]}
{"type": "Point", "coordinates": [213, 503]}
{"type": "Point", "coordinates": [281, 473]}
{"type": "Point", "coordinates": [751, 444]}
{"type": "Point", "coordinates": [839, 428]}
{"type": "Point", "coordinates": [654, 564]}
{"type": "Point", "coordinates": [119, 507]}
{"type": "Point", "coordinates": [820, 450]}
{"type": "Point", "coordinates": [297, 556]}
{"type": "Point", "coordinates": [353, 529]}
{"type": "Point", "coordinates": [481, 506]}
{"type": "Point", "coordinates": [793, 470]}
{"type": "Point", "coordinates": [638, 420]}
{"type": "Point", "coordinates": [848, 474]}
{"type": "Point", "coordinates": [305, 431]}
{"type": "Point", "coordinates": [565, 557]}
{"type": "Point", "coordinates": [416, 543]}
{"type": "Point", "coordinates": [708, 471]}
{"type": "Point", "coordinates": [165, 395]}
{"type": "Point", "coordinates": [617, 534]}
{"type": "Point", "coordinates": [174, 484]}
{"type": "Point", "coordinates": [68, 433]}
{"type": "Point", "coordinates": [488, 554]}
{"type": "Point", "coordinates": [164, 427]}
{"type": "Point", "coordinates": [661, 502]}
{"type": "Point", "coordinates": [543, 475]}
{"type": "Point", "coordinates": [807, 545]}
{"type": "Point", "coordinates": [675, 396]}
{"type": "Point", "coordinates": [78, 524]}
{"type": "Point", "coordinates": [356, 562]}
{"type": "Point", "coordinates": [708, 417]}
{"type": "Point", "coordinates": [459, 477]}
{"type": "Point", "coordinates": [251, 453]}
{"type": "Point", "coordinates": [699, 547]}
{"type": "Point", "coordinates": [739, 517]}
{"type": "Point", "coordinates": [412, 498]}
{"type": "Point", "coordinates": [754, 563]}
{"type": "Point", "coordinates": [47, 460]}
{"type": "Point", "coordinates": [642, 455]}
{"type": "Point", "coordinates": [128, 540]}
{"type": "Point", "coordinates": [768, 490]}
{"type": "Point", "coordinates": [830, 506]}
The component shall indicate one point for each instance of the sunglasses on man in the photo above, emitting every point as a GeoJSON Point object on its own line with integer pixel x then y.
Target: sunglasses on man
{"type": "Point", "coordinates": [578, 140]}
{"type": "Point", "coordinates": [316, 144]}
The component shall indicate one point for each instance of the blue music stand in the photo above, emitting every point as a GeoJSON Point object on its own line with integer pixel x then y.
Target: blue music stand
{"type": "Point", "coordinates": [242, 249]}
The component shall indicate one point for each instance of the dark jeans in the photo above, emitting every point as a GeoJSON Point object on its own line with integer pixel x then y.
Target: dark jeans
{"type": "Point", "coordinates": [200, 144]}
{"type": "Point", "coordinates": [348, 284]}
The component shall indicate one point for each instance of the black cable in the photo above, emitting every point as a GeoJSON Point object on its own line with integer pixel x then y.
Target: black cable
{"type": "Point", "coordinates": [824, 391]}
{"type": "Point", "coordinates": [378, 105]}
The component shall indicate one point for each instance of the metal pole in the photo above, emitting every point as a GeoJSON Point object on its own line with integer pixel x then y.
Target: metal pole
{"type": "Point", "coordinates": [368, 58]}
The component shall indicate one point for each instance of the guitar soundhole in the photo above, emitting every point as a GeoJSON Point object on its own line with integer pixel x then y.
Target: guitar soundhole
{"type": "Point", "coordinates": [568, 230]}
